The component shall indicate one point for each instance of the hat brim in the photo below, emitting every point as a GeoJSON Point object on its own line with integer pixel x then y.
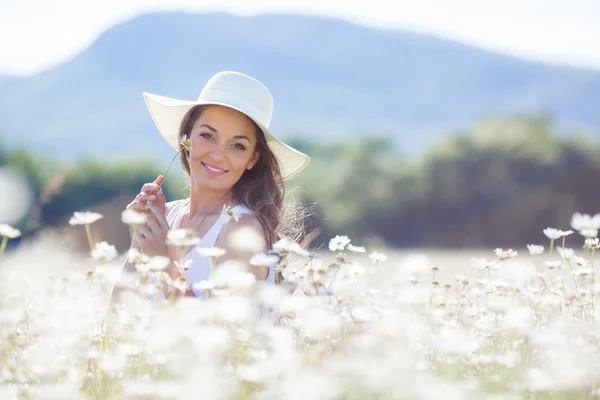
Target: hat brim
{"type": "Point", "coordinates": [167, 114]}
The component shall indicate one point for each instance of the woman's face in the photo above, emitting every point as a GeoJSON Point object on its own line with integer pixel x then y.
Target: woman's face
{"type": "Point", "coordinates": [223, 147]}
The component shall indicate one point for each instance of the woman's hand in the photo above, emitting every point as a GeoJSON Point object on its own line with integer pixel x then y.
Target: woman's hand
{"type": "Point", "coordinates": [151, 193]}
{"type": "Point", "coordinates": [152, 236]}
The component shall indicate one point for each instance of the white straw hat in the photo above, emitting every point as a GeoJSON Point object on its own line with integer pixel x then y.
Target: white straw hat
{"type": "Point", "coordinates": [235, 90]}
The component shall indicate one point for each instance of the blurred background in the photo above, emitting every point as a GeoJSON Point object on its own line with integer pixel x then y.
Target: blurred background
{"type": "Point", "coordinates": [432, 124]}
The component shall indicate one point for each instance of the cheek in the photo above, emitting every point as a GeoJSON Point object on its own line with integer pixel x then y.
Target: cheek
{"type": "Point", "coordinates": [199, 147]}
{"type": "Point", "coordinates": [239, 160]}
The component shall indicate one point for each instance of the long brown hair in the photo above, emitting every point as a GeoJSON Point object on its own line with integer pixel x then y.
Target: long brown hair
{"type": "Point", "coordinates": [260, 189]}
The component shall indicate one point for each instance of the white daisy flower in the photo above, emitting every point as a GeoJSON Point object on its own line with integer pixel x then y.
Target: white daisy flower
{"type": "Point", "coordinates": [592, 243]}
{"type": "Point", "coordinates": [566, 253]}
{"type": "Point", "coordinates": [182, 237]}
{"type": "Point", "coordinates": [186, 143]}
{"type": "Point", "coordinates": [483, 263]}
{"type": "Point", "coordinates": [580, 261]}
{"type": "Point", "coordinates": [184, 265]}
{"type": "Point", "coordinates": [211, 252]}
{"type": "Point", "coordinates": [159, 263]}
{"type": "Point", "coordinates": [535, 249]}
{"type": "Point", "coordinates": [264, 259]}
{"type": "Point", "coordinates": [553, 263]}
{"type": "Point", "coordinates": [356, 249]}
{"type": "Point", "coordinates": [505, 254]}
{"type": "Point", "coordinates": [142, 268]}
{"type": "Point", "coordinates": [285, 246]}
{"type": "Point", "coordinates": [9, 232]}
{"type": "Point", "coordinates": [588, 232]}
{"type": "Point", "coordinates": [131, 217]}
{"type": "Point", "coordinates": [583, 271]}
{"type": "Point", "coordinates": [377, 257]}
{"type": "Point", "coordinates": [136, 257]}
{"type": "Point", "coordinates": [84, 218]}
{"type": "Point", "coordinates": [552, 233]}
{"type": "Point", "coordinates": [104, 252]}
{"type": "Point", "coordinates": [203, 285]}
{"type": "Point", "coordinates": [584, 221]}
{"type": "Point", "coordinates": [228, 214]}
{"type": "Point", "coordinates": [181, 285]}
{"type": "Point", "coordinates": [339, 243]}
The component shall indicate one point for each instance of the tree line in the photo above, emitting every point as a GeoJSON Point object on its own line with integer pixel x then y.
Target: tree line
{"type": "Point", "coordinates": [497, 184]}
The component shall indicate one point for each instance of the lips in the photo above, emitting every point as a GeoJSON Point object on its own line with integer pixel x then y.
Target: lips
{"type": "Point", "coordinates": [212, 169]}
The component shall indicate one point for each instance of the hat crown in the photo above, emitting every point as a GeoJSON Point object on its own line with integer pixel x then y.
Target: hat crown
{"type": "Point", "coordinates": [242, 92]}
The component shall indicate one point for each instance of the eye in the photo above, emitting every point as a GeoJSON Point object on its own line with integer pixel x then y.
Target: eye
{"type": "Point", "coordinates": [239, 146]}
{"type": "Point", "coordinates": [206, 135]}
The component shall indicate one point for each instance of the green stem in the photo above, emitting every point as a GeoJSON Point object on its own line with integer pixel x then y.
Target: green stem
{"type": "Point", "coordinates": [563, 242]}
{"type": "Point", "coordinates": [3, 245]}
{"type": "Point", "coordinates": [169, 166]}
{"type": "Point", "coordinates": [88, 232]}
{"type": "Point", "coordinates": [551, 245]}
{"type": "Point", "coordinates": [593, 284]}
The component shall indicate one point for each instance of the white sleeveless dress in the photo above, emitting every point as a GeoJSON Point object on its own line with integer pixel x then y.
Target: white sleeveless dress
{"type": "Point", "coordinates": [199, 269]}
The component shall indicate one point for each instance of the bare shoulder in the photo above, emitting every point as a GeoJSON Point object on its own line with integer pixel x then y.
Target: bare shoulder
{"type": "Point", "coordinates": [248, 223]}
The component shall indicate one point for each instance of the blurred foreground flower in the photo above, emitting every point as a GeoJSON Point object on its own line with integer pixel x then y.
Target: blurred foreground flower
{"type": "Point", "coordinates": [104, 252]}
{"type": "Point", "coordinates": [356, 249]}
{"type": "Point", "coordinates": [131, 217]}
{"type": "Point", "coordinates": [535, 249]}
{"type": "Point", "coordinates": [85, 218]}
{"type": "Point", "coordinates": [182, 237]}
{"type": "Point", "coordinates": [377, 257]}
{"type": "Point", "coordinates": [7, 232]}
{"type": "Point", "coordinates": [505, 254]}
{"type": "Point", "coordinates": [210, 251]}
{"type": "Point", "coordinates": [506, 335]}
{"type": "Point", "coordinates": [339, 243]}
{"type": "Point", "coordinates": [581, 222]}
{"type": "Point", "coordinates": [592, 244]}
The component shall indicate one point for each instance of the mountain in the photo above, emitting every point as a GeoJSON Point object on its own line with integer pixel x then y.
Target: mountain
{"type": "Point", "coordinates": [329, 78]}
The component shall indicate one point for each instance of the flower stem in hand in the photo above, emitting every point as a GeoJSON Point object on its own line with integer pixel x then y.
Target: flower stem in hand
{"type": "Point", "coordinates": [169, 166]}
{"type": "Point", "coordinates": [186, 144]}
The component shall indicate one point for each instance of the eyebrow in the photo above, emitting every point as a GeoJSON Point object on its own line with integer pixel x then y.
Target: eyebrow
{"type": "Point", "coordinates": [235, 137]}
{"type": "Point", "coordinates": [242, 137]}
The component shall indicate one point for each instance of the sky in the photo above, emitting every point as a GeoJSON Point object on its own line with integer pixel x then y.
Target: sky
{"type": "Point", "coordinates": [38, 34]}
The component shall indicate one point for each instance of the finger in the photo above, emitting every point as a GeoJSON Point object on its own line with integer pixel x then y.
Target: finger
{"type": "Point", "coordinates": [152, 222]}
{"type": "Point", "coordinates": [160, 197]}
{"type": "Point", "coordinates": [150, 188]}
{"type": "Point", "coordinates": [159, 217]}
{"type": "Point", "coordinates": [147, 232]}
{"type": "Point", "coordinates": [159, 180]}
{"type": "Point", "coordinates": [135, 206]}
{"type": "Point", "coordinates": [143, 197]}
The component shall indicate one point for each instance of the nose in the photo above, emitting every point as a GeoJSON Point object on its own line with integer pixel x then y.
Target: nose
{"type": "Point", "coordinates": [218, 154]}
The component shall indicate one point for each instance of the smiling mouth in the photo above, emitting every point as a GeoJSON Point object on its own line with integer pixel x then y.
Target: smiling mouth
{"type": "Point", "coordinates": [214, 170]}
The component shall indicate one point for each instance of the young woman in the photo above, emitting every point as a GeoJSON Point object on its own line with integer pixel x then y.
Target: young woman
{"type": "Point", "coordinates": [234, 161]}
